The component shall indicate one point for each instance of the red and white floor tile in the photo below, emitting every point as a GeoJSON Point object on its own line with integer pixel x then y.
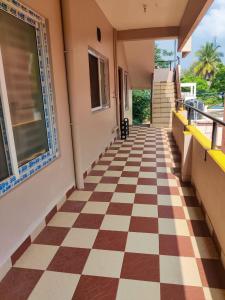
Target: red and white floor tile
{"type": "Point", "coordinates": [135, 232]}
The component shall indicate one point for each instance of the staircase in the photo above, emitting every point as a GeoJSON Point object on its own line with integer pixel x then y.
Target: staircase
{"type": "Point", "coordinates": [163, 102]}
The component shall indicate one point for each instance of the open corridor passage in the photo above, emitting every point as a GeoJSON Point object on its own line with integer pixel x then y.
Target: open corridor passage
{"type": "Point", "coordinates": [136, 232]}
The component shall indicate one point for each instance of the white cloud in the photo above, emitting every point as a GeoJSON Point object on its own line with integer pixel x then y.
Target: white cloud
{"type": "Point", "coordinates": [213, 24]}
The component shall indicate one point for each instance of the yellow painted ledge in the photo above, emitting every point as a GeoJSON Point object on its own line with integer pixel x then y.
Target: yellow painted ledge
{"type": "Point", "coordinates": [181, 117]}
{"type": "Point", "coordinates": [200, 137]}
{"type": "Point", "coordinates": [219, 157]}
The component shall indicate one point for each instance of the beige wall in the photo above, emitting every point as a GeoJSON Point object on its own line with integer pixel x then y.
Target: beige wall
{"type": "Point", "coordinates": [163, 75]}
{"type": "Point", "coordinates": [22, 209]}
{"type": "Point", "coordinates": [207, 177]}
{"type": "Point", "coordinates": [140, 60]}
{"type": "Point", "coordinates": [122, 62]}
{"type": "Point", "coordinates": [121, 56]}
{"type": "Point", "coordinates": [92, 130]}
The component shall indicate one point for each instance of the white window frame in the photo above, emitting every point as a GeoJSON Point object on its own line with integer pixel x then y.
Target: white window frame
{"type": "Point", "coordinates": [21, 173]}
{"type": "Point", "coordinates": [7, 120]}
{"type": "Point", "coordinates": [106, 65]}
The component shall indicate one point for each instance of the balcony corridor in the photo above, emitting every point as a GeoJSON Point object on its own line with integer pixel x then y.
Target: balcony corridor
{"type": "Point", "coordinates": [135, 232]}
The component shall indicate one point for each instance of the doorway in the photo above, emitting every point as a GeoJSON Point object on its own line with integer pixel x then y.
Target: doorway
{"type": "Point", "coordinates": [121, 94]}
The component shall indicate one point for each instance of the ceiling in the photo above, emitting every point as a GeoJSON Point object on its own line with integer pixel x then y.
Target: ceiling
{"type": "Point", "coordinates": [129, 14]}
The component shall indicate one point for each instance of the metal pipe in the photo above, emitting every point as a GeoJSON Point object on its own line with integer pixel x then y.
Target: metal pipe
{"type": "Point", "coordinates": [79, 180]}
{"type": "Point", "coordinates": [116, 77]}
{"type": "Point", "coordinates": [214, 135]}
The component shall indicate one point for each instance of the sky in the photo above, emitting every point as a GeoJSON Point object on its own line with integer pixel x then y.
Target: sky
{"type": "Point", "coordinates": [211, 28]}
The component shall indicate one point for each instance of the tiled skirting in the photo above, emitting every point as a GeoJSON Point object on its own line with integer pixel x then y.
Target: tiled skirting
{"type": "Point", "coordinates": [96, 161]}
{"type": "Point", "coordinates": [27, 242]}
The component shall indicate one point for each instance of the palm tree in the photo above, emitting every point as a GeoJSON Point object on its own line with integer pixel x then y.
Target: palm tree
{"type": "Point", "coordinates": [209, 59]}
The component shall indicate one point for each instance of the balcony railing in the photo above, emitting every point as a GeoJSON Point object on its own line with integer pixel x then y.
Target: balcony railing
{"type": "Point", "coordinates": [167, 64]}
{"type": "Point", "coordinates": [215, 121]}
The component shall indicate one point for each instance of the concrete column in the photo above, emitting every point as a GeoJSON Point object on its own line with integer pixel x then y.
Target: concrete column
{"type": "Point", "coordinates": [129, 113]}
{"type": "Point", "coordinates": [186, 157]}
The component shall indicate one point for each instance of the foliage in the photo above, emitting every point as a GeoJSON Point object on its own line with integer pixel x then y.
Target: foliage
{"type": "Point", "coordinates": [204, 92]}
{"type": "Point", "coordinates": [209, 58]}
{"type": "Point", "coordinates": [161, 56]}
{"type": "Point", "coordinates": [218, 82]}
{"type": "Point", "coordinates": [141, 106]}
{"type": "Point", "coordinates": [202, 84]}
{"type": "Point", "coordinates": [210, 98]}
{"type": "Point", "coordinates": [209, 74]}
{"type": "Point", "coordinates": [189, 71]}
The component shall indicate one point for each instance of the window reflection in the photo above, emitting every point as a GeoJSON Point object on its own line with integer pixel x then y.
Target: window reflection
{"type": "Point", "coordinates": [22, 74]}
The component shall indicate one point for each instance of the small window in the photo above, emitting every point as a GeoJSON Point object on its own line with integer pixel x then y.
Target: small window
{"type": "Point", "coordinates": [99, 81]}
{"type": "Point", "coordinates": [94, 82]}
{"type": "Point", "coordinates": [126, 91]}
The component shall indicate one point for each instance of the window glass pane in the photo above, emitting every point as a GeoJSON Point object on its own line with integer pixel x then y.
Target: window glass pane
{"type": "Point", "coordinates": [22, 74]}
{"type": "Point", "coordinates": [103, 83]}
{"type": "Point", "coordinates": [4, 171]}
{"type": "Point", "coordinates": [94, 81]}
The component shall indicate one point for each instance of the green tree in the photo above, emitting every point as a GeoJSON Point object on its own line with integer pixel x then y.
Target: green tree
{"type": "Point", "coordinates": [209, 58]}
{"type": "Point", "coordinates": [209, 95]}
{"type": "Point", "coordinates": [141, 106]}
{"type": "Point", "coordinates": [202, 84]}
{"type": "Point", "coordinates": [218, 82]}
{"type": "Point", "coordinates": [189, 71]}
{"type": "Point", "coordinates": [161, 57]}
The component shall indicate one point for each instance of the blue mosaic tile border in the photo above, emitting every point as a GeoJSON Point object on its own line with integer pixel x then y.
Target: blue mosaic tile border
{"type": "Point", "coordinates": [27, 15]}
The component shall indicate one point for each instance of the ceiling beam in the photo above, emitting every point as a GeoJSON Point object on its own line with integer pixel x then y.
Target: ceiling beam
{"type": "Point", "coordinates": [148, 33]}
{"type": "Point", "coordinates": [193, 14]}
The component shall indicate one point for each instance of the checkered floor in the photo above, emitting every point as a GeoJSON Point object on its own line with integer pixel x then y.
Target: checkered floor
{"type": "Point", "coordinates": [135, 233]}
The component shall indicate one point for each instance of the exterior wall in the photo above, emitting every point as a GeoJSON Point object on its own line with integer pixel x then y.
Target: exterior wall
{"type": "Point", "coordinates": [163, 75]}
{"type": "Point", "coordinates": [208, 179]}
{"type": "Point", "coordinates": [22, 209]}
{"type": "Point", "coordinates": [92, 131]}
{"type": "Point", "coordinates": [121, 56]}
{"type": "Point", "coordinates": [187, 47]}
{"type": "Point", "coordinates": [122, 62]}
{"type": "Point", "coordinates": [163, 102]}
{"type": "Point", "coordinates": [207, 174]}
